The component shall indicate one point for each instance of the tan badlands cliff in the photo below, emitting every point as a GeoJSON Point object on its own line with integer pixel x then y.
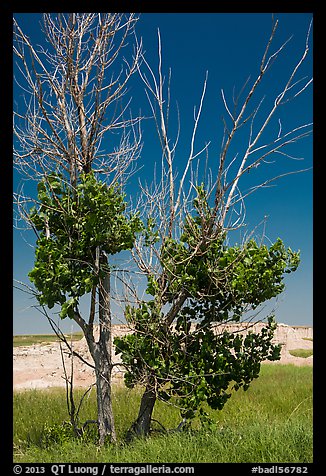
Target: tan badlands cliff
{"type": "Point", "coordinates": [40, 366]}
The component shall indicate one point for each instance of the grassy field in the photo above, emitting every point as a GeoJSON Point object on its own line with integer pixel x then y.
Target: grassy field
{"type": "Point", "coordinates": [42, 338]}
{"type": "Point", "coordinates": [271, 422]}
{"type": "Point", "coordinates": [303, 353]}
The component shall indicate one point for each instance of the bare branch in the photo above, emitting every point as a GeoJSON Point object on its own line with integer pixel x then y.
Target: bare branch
{"type": "Point", "coordinates": [72, 90]}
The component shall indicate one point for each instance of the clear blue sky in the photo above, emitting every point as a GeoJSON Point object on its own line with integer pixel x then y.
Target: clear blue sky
{"type": "Point", "coordinates": [229, 46]}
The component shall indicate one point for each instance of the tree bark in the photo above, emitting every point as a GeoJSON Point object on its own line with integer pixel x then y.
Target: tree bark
{"type": "Point", "coordinates": [103, 361]}
{"type": "Point", "coordinates": [106, 428]}
{"type": "Point", "coordinates": [141, 426]}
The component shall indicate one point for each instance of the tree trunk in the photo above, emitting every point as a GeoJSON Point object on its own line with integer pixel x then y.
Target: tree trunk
{"type": "Point", "coordinates": [105, 416]}
{"type": "Point", "coordinates": [103, 361]}
{"type": "Point", "coordinates": [142, 425]}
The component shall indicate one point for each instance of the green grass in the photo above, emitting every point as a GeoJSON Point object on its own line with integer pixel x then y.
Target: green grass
{"type": "Point", "coordinates": [271, 422]}
{"type": "Point", "coordinates": [304, 353]}
{"type": "Point", "coordinates": [42, 339]}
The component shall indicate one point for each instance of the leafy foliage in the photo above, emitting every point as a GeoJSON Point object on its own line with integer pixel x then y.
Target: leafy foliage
{"type": "Point", "coordinates": [63, 433]}
{"type": "Point", "coordinates": [223, 278]}
{"type": "Point", "coordinates": [229, 278]}
{"type": "Point", "coordinates": [194, 366]}
{"type": "Point", "coordinates": [73, 224]}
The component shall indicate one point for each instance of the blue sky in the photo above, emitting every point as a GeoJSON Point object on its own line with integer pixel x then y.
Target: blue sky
{"type": "Point", "coordinates": [229, 46]}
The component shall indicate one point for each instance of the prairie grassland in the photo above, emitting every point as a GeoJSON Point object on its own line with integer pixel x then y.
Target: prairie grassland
{"type": "Point", "coordinates": [270, 422]}
{"type": "Point", "coordinates": [303, 353]}
{"type": "Point", "coordinates": [21, 340]}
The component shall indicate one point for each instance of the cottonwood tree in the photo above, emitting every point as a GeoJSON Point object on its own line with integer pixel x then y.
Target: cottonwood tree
{"type": "Point", "coordinates": [74, 135]}
{"type": "Point", "coordinates": [181, 350]}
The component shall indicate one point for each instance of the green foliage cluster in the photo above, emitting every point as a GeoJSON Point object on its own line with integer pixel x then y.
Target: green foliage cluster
{"type": "Point", "coordinates": [221, 282]}
{"type": "Point", "coordinates": [143, 351]}
{"type": "Point", "coordinates": [62, 433]}
{"type": "Point", "coordinates": [222, 279]}
{"type": "Point", "coordinates": [78, 221]}
{"type": "Point", "coordinates": [229, 278]}
{"type": "Point", "coordinates": [56, 433]}
{"type": "Point", "coordinates": [192, 367]}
